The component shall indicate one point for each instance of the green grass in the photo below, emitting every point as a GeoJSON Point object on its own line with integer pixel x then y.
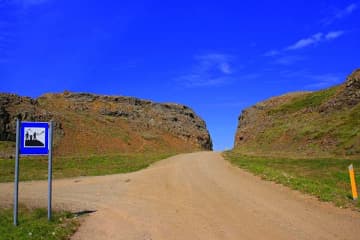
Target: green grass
{"type": "Point", "coordinates": [327, 179]}
{"type": "Point", "coordinates": [310, 100]}
{"type": "Point", "coordinates": [307, 133]}
{"type": "Point", "coordinates": [6, 147]}
{"type": "Point", "coordinates": [35, 168]}
{"type": "Point", "coordinates": [33, 224]}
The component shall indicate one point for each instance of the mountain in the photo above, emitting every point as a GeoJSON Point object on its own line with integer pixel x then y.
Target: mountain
{"type": "Point", "coordinates": [323, 123]}
{"type": "Point", "coordinates": [88, 124]}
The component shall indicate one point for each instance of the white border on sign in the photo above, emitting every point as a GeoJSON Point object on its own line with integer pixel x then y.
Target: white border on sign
{"type": "Point", "coordinates": [35, 133]}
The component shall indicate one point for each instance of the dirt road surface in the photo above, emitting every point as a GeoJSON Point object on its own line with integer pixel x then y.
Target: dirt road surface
{"type": "Point", "coordinates": [191, 196]}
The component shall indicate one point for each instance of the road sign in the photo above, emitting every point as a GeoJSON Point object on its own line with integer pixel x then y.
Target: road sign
{"type": "Point", "coordinates": [34, 138]}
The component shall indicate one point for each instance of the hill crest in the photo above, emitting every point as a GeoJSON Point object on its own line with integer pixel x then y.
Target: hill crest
{"type": "Point", "coordinates": [323, 123]}
{"type": "Point", "coordinates": [98, 124]}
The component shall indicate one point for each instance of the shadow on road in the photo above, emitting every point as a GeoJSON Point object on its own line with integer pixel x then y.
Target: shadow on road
{"type": "Point", "coordinates": [84, 212]}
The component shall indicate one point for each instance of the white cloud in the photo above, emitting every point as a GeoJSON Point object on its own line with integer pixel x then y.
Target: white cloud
{"type": "Point", "coordinates": [30, 3]}
{"type": "Point", "coordinates": [225, 68]}
{"type": "Point", "coordinates": [303, 43]}
{"type": "Point", "coordinates": [340, 13]}
{"type": "Point", "coordinates": [195, 80]}
{"type": "Point", "coordinates": [272, 53]}
{"type": "Point", "coordinates": [323, 80]}
{"type": "Point", "coordinates": [346, 11]}
{"type": "Point", "coordinates": [215, 60]}
{"type": "Point", "coordinates": [306, 41]}
{"type": "Point", "coordinates": [288, 60]}
{"type": "Point", "coordinates": [213, 57]}
{"type": "Point", "coordinates": [209, 70]}
{"type": "Point", "coordinates": [309, 41]}
{"type": "Point", "coordinates": [333, 35]}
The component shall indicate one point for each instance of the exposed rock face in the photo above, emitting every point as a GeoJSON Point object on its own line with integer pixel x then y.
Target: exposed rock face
{"type": "Point", "coordinates": [88, 123]}
{"type": "Point", "coordinates": [13, 106]}
{"type": "Point", "coordinates": [255, 120]}
{"type": "Point", "coordinates": [348, 96]}
{"type": "Point", "coordinates": [324, 123]}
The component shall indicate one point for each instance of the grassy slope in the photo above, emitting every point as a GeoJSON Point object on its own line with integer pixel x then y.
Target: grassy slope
{"type": "Point", "coordinates": [88, 132]}
{"type": "Point", "coordinates": [343, 126]}
{"type": "Point", "coordinates": [327, 179]}
{"type": "Point", "coordinates": [305, 148]}
{"type": "Point", "coordinates": [33, 224]}
{"type": "Point", "coordinates": [308, 100]}
{"type": "Point", "coordinates": [93, 144]}
{"type": "Point", "coordinates": [35, 168]}
{"type": "Point", "coordinates": [297, 128]}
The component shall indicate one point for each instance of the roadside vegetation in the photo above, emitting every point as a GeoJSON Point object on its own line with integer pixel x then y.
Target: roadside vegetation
{"type": "Point", "coordinates": [33, 224]}
{"type": "Point", "coordinates": [327, 179]}
{"type": "Point", "coordinates": [35, 168]}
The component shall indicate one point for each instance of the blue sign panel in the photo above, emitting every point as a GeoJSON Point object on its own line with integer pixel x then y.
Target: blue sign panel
{"type": "Point", "coordinates": [34, 138]}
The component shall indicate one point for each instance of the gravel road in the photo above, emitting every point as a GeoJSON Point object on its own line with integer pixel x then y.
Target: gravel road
{"type": "Point", "coordinates": [190, 196]}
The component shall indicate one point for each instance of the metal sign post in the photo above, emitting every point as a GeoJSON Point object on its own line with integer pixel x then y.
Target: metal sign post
{"type": "Point", "coordinates": [16, 185]}
{"type": "Point", "coordinates": [50, 170]}
{"type": "Point", "coordinates": [33, 138]}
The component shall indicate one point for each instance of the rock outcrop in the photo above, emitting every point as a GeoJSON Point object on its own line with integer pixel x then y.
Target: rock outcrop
{"type": "Point", "coordinates": [348, 95]}
{"type": "Point", "coordinates": [324, 123]}
{"type": "Point", "coordinates": [91, 124]}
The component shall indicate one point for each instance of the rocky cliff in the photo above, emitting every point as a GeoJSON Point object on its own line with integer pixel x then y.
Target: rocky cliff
{"type": "Point", "coordinates": [324, 123]}
{"type": "Point", "coordinates": [94, 124]}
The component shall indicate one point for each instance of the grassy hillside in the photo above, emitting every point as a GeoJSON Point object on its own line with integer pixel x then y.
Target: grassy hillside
{"type": "Point", "coordinates": [304, 140]}
{"type": "Point", "coordinates": [315, 124]}
{"type": "Point", "coordinates": [97, 135]}
{"type": "Point", "coordinates": [87, 131]}
{"type": "Point", "coordinates": [88, 124]}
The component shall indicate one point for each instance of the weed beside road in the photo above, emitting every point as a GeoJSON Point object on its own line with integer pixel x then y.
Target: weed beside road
{"type": "Point", "coordinates": [327, 179]}
{"type": "Point", "coordinates": [35, 168]}
{"type": "Point", "coordinates": [33, 224]}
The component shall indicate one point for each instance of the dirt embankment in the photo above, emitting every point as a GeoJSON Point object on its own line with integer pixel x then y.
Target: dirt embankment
{"type": "Point", "coordinates": [87, 124]}
{"type": "Point", "coordinates": [305, 124]}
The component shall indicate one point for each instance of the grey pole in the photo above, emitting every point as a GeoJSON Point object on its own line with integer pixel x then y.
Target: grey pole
{"type": "Point", "coordinates": [16, 185]}
{"type": "Point", "coordinates": [50, 169]}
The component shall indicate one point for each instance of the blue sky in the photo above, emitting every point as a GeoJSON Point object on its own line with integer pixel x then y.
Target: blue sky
{"type": "Point", "coordinates": [218, 57]}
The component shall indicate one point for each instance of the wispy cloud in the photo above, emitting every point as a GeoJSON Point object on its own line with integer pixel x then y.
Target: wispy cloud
{"type": "Point", "coordinates": [340, 13]}
{"type": "Point", "coordinates": [215, 60]}
{"type": "Point", "coordinates": [199, 80]}
{"type": "Point", "coordinates": [30, 2]}
{"type": "Point", "coordinates": [323, 80]}
{"type": "Point", "coordinates": [209, 70]}
{"type": "Point", "coordinates": [312, 81]}
{"type": "Point", "coordinates": [272, 53]}
{"type": "Point", "coordinates": [346, 11]}
{"type": "Point", "coordinates": [333, 35]}
{"type": "Point", "coordinates": [24, 5]}
{"type": "Point", "coordinates": [305, 42]}
{"type": "Point", "coordinates": [314, 39]}
{"type": "Point", "coordinates": [288, 60]}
